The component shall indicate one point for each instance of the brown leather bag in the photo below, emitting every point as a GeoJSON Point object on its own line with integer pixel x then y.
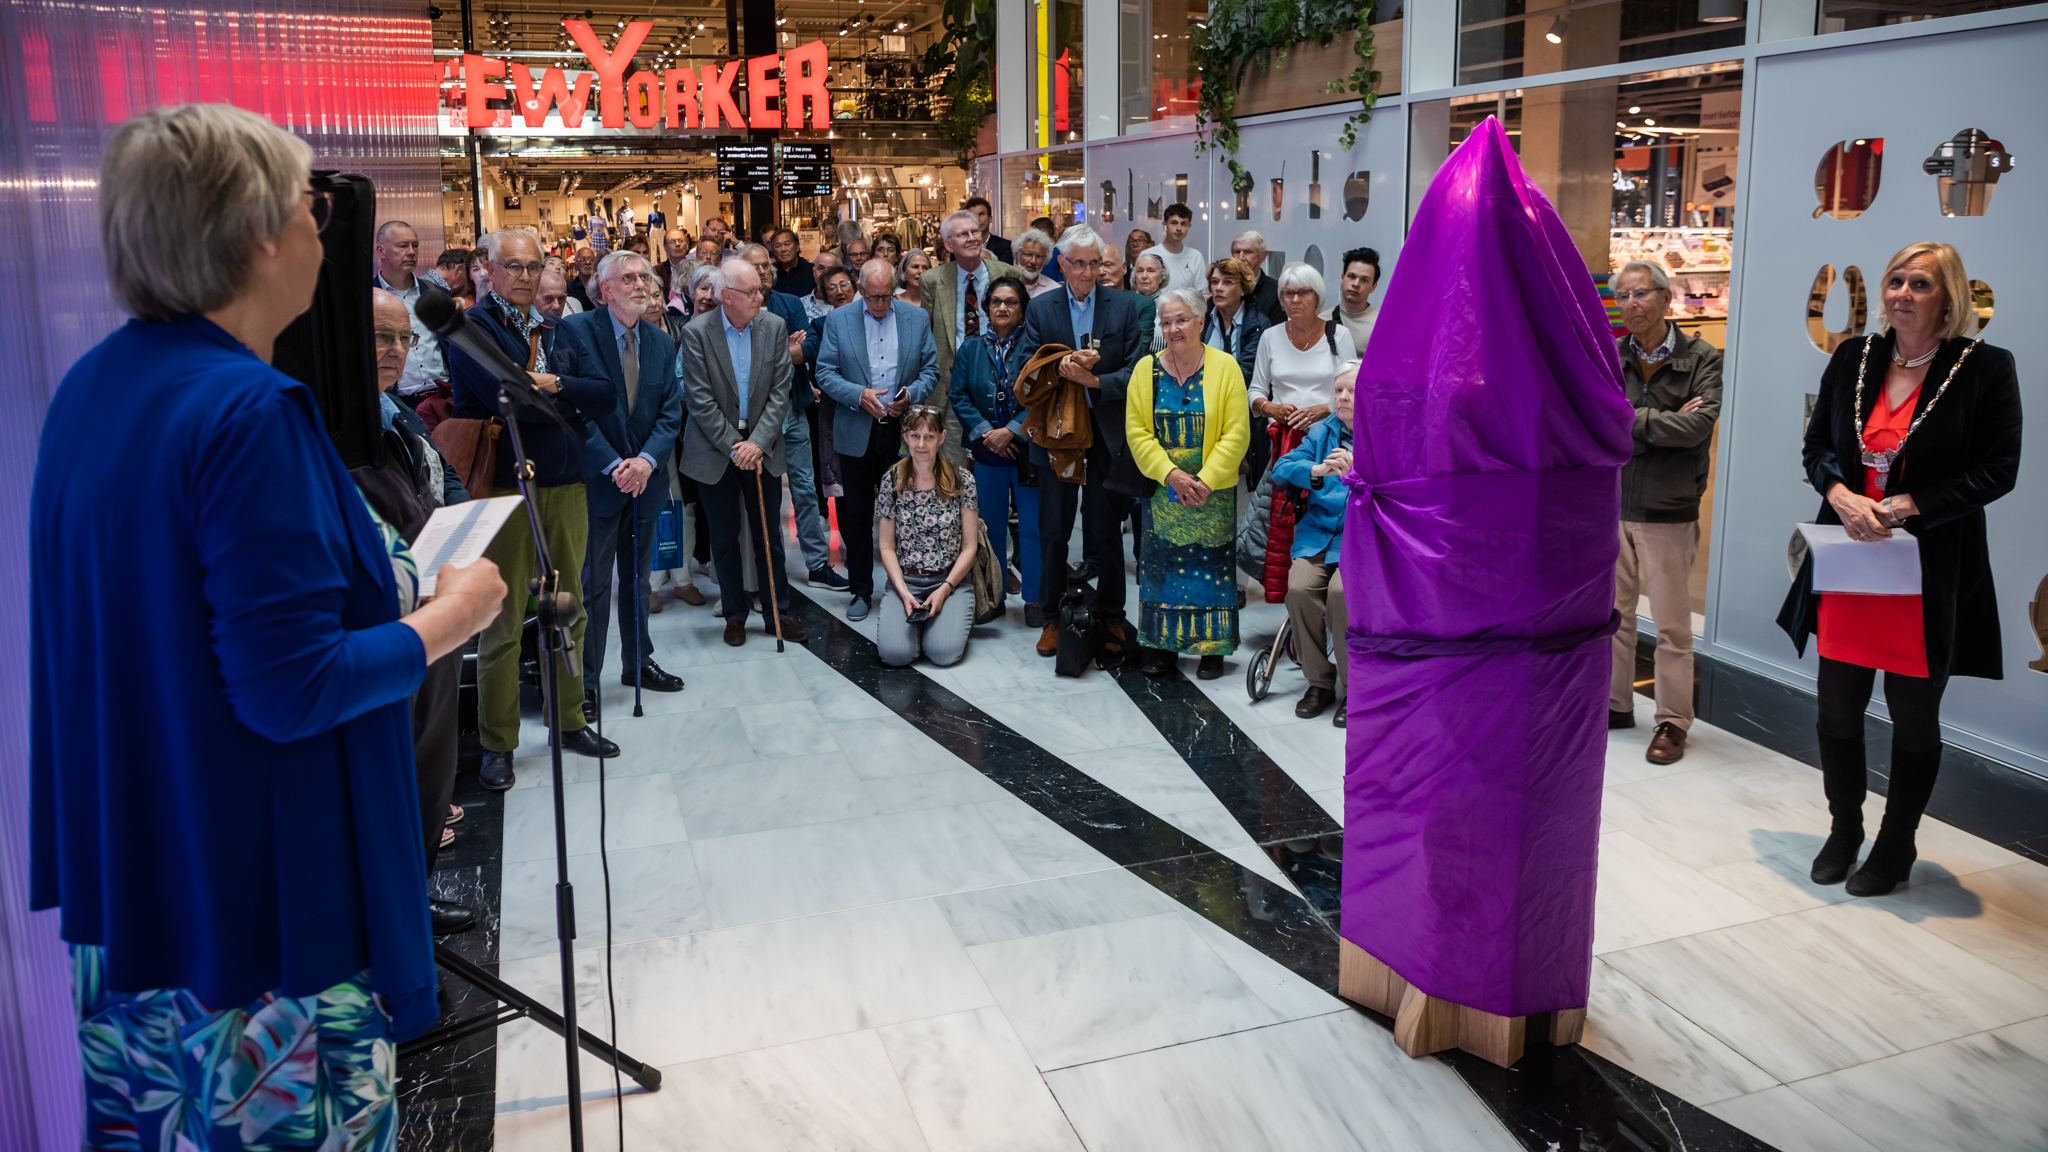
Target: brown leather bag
{"type": "Point", "coordinates": [471, 446]}
{"type": "Point", "coordinates": [1057, 416]}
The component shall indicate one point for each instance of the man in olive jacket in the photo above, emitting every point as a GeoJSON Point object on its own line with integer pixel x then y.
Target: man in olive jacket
{"type": "Point", "coordinates": [1674, 382]}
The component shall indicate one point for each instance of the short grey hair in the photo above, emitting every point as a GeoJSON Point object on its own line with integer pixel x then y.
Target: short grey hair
{"type": "Point", "coordinates": [963, 216]}
{"type": "Point", "coordinates": [1081, 236]}
{"type": "Point", "coordinates": [1033, 236]}
{"type": "Point", "coordinates": [1250, 235]}
{"type": "Point", "coordinates": [384, 230]}
{"type": "Point", "coordinates": [1183, 295]}
{"type": "Point", "coordinates": [1300, 275]}
{"type": "Point", "coordinates": [492, 241]}
{"type": "Point", "coordinates": [849, 231]}
{"type": "Point", "coordinates": [903, 279]}
{"type": "Point", "coordinates": [700, 274]}
{"type": "Point", "coordinates": [746, 251]}
{"type": "Point", "coordinates": [186, 194]}
{"type": "Point", "coordinates": [738, 274]}
{"type": "Point", "coordinates": [881, 272]}
{"type": "Point", "coordinates": [1659, 279]}
{"type": "Point", "coordinates": [608, 268]}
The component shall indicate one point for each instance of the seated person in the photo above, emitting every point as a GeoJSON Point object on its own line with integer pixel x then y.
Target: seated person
{"type": "Point", "coordinates": [925, 509]}
{"type": "Point", "coordinates": [1315, 593]}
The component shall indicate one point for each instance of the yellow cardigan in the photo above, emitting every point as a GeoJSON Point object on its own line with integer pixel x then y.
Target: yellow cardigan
{"type": "Point", "coordinates": [1226, 426]}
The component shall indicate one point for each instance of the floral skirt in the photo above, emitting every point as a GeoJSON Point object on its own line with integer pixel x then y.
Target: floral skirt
{"type": "Point", "coordinates": [1187, 594]}
{"type": "Point", "coordinates": [166, 1073]}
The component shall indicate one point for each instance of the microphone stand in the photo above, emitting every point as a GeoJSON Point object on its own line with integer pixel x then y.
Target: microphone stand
{"type": "Point", "coordinates": [557, 612]}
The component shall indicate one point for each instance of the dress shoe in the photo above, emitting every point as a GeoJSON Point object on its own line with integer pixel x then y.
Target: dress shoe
{"type": "Point", "coordinates": [792, 631]}
{"type": "Point", "coordinates": [496, 772]}
{"type": "Point", "coordinates": [1619, 720]}
{"type": "Point", "coordinates": [689, 594]}
{"type": "Point", "coordinates": [586, 742]}
{"type": "Point", "coordinates": [1158, 662]}
{"type": "Point", "coordinates": [1049, 640]}
{"type": "Point", "coordinates": [653, 679]}
{"type": "Point", "coordinates": [590, 705]}
{"type": "Point", "coordinates": [858, 608]}
{"type": "Point", "coordinates": [1313, 701]}
{"type": "Point", "coordinates": [450, 917]}
{"type": "Point", "coordinates": [1337, 721]}
{"type": "Point", "coordinates": [1085, 570]}
{"type": "Point", "coordinates": [1210, 668]}
{"type": "Point", "coordinates": [735, 630]}
{"type": "Point", "coordinates": [1011, 585]}
{"type": "Point", "coordinates": [653, 603]}
{"type": "Point", "coordinates": [828, 578]}
{"type": "Point", "coordinates": [1116, 646]}
{"type": "Point", "coordinates": [1667, 746]}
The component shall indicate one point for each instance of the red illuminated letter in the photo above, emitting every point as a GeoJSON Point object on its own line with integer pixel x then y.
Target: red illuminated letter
{"type": "Point", "coordinates": [760, 90]}
{"type": "Point", "coordinates": [803, 78]}
{"type": "Point", "coordinates": [610, 65]}
{"type": "Point", "coordinates": [643, 100]}
{"type": "Point", "coordinates": [681, 97]}
{"type": "Point", "coordinates": [715, 97]}
{"type": "Point", "coordinates": [554, 89]}
{"type": "Point", "coordinates": [476, 89]}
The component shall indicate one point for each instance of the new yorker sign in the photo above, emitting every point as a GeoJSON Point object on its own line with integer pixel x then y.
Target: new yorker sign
{"type": "Point", "coordinates": [706, 98]}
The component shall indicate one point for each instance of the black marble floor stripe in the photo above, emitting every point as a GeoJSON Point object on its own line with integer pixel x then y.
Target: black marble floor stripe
{"type": "Point", "coordinates": [1553, 1098]}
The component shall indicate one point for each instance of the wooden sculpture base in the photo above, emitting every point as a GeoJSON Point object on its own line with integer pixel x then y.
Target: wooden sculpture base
{"type": "Point", "coordinates": [1424, 1024]}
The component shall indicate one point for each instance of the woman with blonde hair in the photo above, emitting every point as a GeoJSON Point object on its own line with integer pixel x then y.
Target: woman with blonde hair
{"type": "Point", "coordinates": [1916, 429]}
{"type": "Point", "coordinates": [928, 529]}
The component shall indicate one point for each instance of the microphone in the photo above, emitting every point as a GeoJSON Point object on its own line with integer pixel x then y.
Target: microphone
{"type": "Point", "coordinates": [437, 310]}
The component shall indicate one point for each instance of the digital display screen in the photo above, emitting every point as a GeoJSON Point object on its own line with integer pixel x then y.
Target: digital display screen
{"type": "Point", "coordinates": [745, 169]}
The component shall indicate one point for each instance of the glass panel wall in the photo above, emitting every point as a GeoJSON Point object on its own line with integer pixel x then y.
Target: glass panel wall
{"type": "Point", "coordinates": [1048, 184]}
{"type": "Point", "coordinates": [1506, 39]}
{"type": "Point", "coordinates": [1844, 15]}
{"type": "Point", "coordinates": [1053, 77]}
{"type": "Point", "coordinates": [1156, 82]}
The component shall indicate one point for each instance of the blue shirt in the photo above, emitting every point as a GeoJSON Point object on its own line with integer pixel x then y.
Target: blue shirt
{"type": "Point", "coordinates": [739, 344]}
{"type": "Point", "coordinates": [619, 331]}
{"type": "Point", "coordinates": [1228, 342]}
{"type": "Point", "coordinates": [880, 338]}
{"type": "Point", "coordinates": [1083, 314]}
{"type": "Point", "coordinates": [965, 282]}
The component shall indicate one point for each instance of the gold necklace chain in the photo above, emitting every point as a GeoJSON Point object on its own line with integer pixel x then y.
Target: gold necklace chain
{"type": "Point", "coordinates": [1882, 461]}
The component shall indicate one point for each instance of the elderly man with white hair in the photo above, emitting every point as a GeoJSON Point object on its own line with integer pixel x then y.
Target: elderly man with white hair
{"type": "Point", "coordinates": [952, 294]}
{"type": "Point", "coordinates": [1250, 247]}
{"type": "Point", "coordinates": [1100, 325]}
{"type": "Point", "coordinates": [1033, 249]}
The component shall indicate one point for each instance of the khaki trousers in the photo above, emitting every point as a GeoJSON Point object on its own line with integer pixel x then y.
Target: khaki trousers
{"type": "Point", "coordinates": [1656, 561]}
{"type": "Point", "coordinates": [1315, 607]}
{"type": "Point", "coordinates": [565, 520]}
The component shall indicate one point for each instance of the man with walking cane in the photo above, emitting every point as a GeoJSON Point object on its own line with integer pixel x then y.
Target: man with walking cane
{"type": "Point", "coordinates": [736, 377]}
{"type": "Point", "coordinates": [610, 349]}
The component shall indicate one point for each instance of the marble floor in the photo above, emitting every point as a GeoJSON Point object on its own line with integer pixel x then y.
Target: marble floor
{"type": "Point", "coordinates": [988, 908]}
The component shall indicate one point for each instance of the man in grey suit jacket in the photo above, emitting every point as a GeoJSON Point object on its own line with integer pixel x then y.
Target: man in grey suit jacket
{"type": "Point", "coordinates": [876, 359]}
{"type": "Point", "coordinates": [955, 309]}
{"type": "Point", "coordinates": [736, 377]}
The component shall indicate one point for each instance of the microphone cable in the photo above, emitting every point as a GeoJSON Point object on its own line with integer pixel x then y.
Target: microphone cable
{"type": "Point", "coordinates": [605, 866]}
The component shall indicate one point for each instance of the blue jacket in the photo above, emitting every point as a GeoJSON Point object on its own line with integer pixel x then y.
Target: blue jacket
{"type": "Point", "coordinates": [791, 309]}
{"type": "Point", "coordinates": [221, 773]}
{"type": "Point", "coordinates": [843, 367]}
{"type": "Point", "coordinates": [587, 349]}
{"type": "Point", "coordinates": [1321, 527]}
{"type": "Point", "coordinates": [974, 388]}
{"type": "Point", "coordinates": [557, 457]}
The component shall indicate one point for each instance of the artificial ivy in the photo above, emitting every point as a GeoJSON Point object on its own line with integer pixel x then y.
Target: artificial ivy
{"type": "Point", "coordinates": [964, 50]}
{"type": "Point", "coordinates": [1240, 33]}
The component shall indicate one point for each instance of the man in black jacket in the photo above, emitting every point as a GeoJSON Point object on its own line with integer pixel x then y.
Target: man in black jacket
{"type": "Point", "coordinates": [525, 336]}
{"type": "Point", "coordinates": [1101, 325]}
{"type": "Point", "coordinates": [1674, 382]}
{"type": "Point", "coordinates": [996, 245]}
{"type": "Point", "coordinates": [1250, 247]}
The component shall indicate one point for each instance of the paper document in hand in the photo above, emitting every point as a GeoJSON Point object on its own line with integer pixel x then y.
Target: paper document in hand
{"type": "Point", "coordinates": [458, 534]}
{"type": "Point", "coordinates": [1889, 567]}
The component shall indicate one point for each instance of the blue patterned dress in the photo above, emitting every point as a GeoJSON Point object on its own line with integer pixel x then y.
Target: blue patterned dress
{"type": "Point", "coordinates": [1187, 598]}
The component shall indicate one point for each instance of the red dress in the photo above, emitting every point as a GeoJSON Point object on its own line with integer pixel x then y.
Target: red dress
{"type": "Point", "coordinates": [1882, 632]}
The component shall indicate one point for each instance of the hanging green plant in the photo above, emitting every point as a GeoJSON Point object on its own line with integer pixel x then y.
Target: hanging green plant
{"type": "Point", "coordinates": [964, 51]}
{"type": "Point", "coordinates": [1241, 33]}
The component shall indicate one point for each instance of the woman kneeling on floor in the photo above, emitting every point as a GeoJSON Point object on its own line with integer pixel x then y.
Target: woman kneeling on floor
{"type": "Point", "coordinates": [928, 529]}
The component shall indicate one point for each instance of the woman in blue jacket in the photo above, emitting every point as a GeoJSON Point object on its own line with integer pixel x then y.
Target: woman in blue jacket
{"type": "Point", "coordinates": [992, 418]}
{"type": "Point", "coordinates": [222, 793]}
{"type": "Point", "coordinates": [1315, 592]}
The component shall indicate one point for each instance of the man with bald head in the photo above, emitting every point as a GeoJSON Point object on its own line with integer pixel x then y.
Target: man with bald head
{"type": "Point", "coordinates": [876, 359]}
{"type": "Point", "coordinates": [552, 299]}
{"type": "Point", "coordinates": [507, 316]}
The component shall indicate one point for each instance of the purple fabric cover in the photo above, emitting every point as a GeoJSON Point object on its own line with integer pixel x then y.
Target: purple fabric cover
{"type": "Point", "coordinates": [1478, 565]}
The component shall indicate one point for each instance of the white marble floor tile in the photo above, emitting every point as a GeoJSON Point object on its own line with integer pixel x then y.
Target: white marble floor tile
{"type": "Point", "coordinates": [1040, 847]}
{"type": "Point", "coordinates": [1089, 720]}
{"type": "Point", "coordinates": [1981, 1092]}
{"type": "Point", "coordinates": [1778, 884]}
{"type": "Point", "coordinates": [890, 747]}
{"type": "Point", "coordinates": [789, 728]}
{"type": "Point", "coordinates": [850, 863]}
{"type": "Point", "coordinates": [655, 743]}
{"type": "Point", "coordinates": [1642, 1034]}
{"type": "Point", "coordinates": [1013, 911]}
{"type": "Point", "coordinates": [1310, 751]}
{"type": "Point", "coordinates": [972, 1086]}
{"type": "Point", "coordinates": [1703, 819]}
{"type": "Point", "coordinates": [1154, 778]}
{"type": "Point", "coordinates": [765, 794]}
{"type": "Point", "coordinates": [640, 811]}
{"type": "Point", "coordinates": [1645, 896]}
{"type": "Point", "coordinates": [1815, 991]}
{"type": "Point", "coordinates": [655, 893]}
{"type": "Point", "coordinates": [946, 788]}
{"type": "Point", "coordinates": [1328, 1082]}
{"type": "Point", "coordinates": [1288, 995]}
{"type": "Point", "coordinates": [1111, 989]}
{"type": "Point", "coordinates": [1975, 914]}
{"type": "Point", "coordinates": [1789, 1122]}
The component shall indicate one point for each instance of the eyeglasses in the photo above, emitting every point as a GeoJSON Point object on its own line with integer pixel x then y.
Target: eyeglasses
{"type": "Point", "coordinates": [750, 293]}
{"type": "Point", "coordinates": [637, 277]}
{"type": "Point", "coordinates": [322, 209]}
{"type": "Point", "coordinates": [925, 409]}
{"type": "Point", "coordinates": [385, 340]}
{"type": "Point", "coordinates": [1178, 322]}
{"type": "Point", "coordinates": [1639, 294]}
{"type": "Point", "coordinates": [1003, 302]}
{"type": "Point", "coordinates": [519, 271]}
{"type": "Point", "coordinates": [878, 296]}
{"type": "Point", "coordinates": [1296, 294]}
{"type": "Point", "coordinates": [1091, 265]}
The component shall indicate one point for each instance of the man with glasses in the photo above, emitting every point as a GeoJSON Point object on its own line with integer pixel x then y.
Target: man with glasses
{"type": "Point", "coordinates": [812, 533]}
{"type": "Point", "coordinates": [876, 359]}
{"type": "Point", "coordinates": [397, 250]}
{"type": "Point", "coordinates": [526, 337]}
{"type": "Point", "coordinates": [736, 380]}
{"type": "Point", "coordinates": [1249, 249]}
{"type": "Point", "coordinates": [1674, 382]}
{"type": "Point", "coordinates": [952, 293]}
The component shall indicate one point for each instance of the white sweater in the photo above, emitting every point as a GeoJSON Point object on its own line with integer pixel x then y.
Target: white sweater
{"type": "Point", "coordinates": [1184, 269]}
{"type": "Point", "coordinates": [1284, 374]}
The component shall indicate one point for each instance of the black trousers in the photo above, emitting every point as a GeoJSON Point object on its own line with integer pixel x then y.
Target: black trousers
{"type": "Point", "coordinates": [611, 548]}
{"type": "Point", "coordinates": [733, 507]}
{"type": "Point", "coordinates": [700, 542]}
{"type": "Point", "coordinates": [860, 477]}
{"type": "Point", "coordinates": [1259, 452]}
{"type": "Point", "coordinates": [1915, 706]}
{"type": "Point", "coordinates": [1102, 527]}
{"type": "Point", "coordinates": [434, 746]}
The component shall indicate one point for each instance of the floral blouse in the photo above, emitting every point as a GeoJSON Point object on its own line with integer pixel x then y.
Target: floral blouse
{"type": "Point", "coordinates": [928, 534]}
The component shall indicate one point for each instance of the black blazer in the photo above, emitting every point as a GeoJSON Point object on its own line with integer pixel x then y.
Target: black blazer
{"type": "Point", "coordinates": [1964, 456]}
{"type": "Point", "coordinates": [1265, 298]}
{"type": "Point", "coordinates": [1001, 249]}
{"type": "Point", "coordinates": [1047, 321]}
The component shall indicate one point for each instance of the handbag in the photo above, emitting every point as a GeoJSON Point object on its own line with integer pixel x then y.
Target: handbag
{"type": "Point", "coordinates": [986, 578]}
{"type": "Point", "coordinates": [1078, 635]}
{"type": "Point", "coordinates": [471, 445]}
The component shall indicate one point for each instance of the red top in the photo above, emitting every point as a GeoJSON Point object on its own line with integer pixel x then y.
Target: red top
{"type": "Point", "coordinates": [1882, 632]}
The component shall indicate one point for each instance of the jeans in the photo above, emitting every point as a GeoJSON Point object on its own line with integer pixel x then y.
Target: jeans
{"type": "Point", "coordinates": [942, 639]}
{"type": "Point", "coordinates": [994, 485]}
{"type": "Point", "coordinates": [811, 535]}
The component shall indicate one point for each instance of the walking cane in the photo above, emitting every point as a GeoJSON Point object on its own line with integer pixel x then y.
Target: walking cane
{"type": "Point", "coordinates": [639, 602]}
{"type": "Point", "coordinates": [767, 557]}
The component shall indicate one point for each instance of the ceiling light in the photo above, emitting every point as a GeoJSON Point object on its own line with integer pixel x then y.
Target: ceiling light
{"type": "Point", "coordinates": [1634, 110]}
{"type": "Point", "coordinates": [1558, 28]}
{"type": "Point", "coordinates": [1619, 124]}
{"type": "Point", "coordinates": [781, 20]}
{"type": "Point", "coordinates": [1649, 121]}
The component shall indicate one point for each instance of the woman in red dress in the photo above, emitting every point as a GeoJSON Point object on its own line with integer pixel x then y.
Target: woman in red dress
{"type": "Point", "coordinates": [1916, 429]}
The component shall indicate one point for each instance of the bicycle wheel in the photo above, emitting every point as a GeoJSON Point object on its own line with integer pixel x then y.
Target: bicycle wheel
{"type": "Point", "coordinates": [1258, 674]}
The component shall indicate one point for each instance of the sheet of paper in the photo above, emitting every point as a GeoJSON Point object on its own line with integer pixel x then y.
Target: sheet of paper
{"type": "Point", "coordinates": [458, 533]}
{"type": "Point", "coordinates": [1889, 567]}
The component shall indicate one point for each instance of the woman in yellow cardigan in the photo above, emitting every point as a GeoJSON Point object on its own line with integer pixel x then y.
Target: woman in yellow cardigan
{"type": "Point", "coordinates": [1188, 424]}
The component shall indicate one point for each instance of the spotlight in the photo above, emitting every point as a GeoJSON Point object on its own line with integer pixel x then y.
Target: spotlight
{"type": "Point", "coordinates": [1634, 110]}
{"type": "Point", "coordinates": [1720, 11]}
{"type": "Point", "coordinates": [1558, 28]}
{"type": "Point", "coordinates": [1650, 122]}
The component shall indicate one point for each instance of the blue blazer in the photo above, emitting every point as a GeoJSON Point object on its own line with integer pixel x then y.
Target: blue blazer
{"type": "Point", "coordinates": [1048, 321]}
{"type": "Point", "coordinates": [974, 390]}
{"type": "Point", "coordinates": [557, 458]}
{"type": "Point", "coordinates": [246, 819]}
{"type": "Point", "coordinates": [843, 367]}
{"type": "Point", "coordinates": [587, 350]}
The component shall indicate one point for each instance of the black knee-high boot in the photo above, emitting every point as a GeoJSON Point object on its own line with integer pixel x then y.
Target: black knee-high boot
{"type": "Point", "coordinates": [1844, 778]}
{"type": "Point", "coordinates": [1891, 857]}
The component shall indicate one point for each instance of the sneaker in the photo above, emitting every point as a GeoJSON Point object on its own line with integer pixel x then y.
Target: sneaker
{"type": "Point", "coordinates": [858, 608]}
{"type": "Point", "coordinates": [827, 578]}
{"type": "Point", "coordinates": [1034, 614]}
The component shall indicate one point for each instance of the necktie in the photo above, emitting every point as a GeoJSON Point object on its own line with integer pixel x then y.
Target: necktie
{"type": "Point", "coordinates": [629, 361]}
{"type": "Point", "coordinates": [973, 324]}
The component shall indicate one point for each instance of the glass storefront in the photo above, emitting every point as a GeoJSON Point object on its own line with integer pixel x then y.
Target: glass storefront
{"type": "Point", "coordinates": [1846, 15]}
{"type": "Point", "coordinates": [1506, 39]}
{"type": "Point", "coordinates": [1048, 184]}
{"type": "Point", "coordinates": [1053, 76]}
{"type": "Point", "coordinates": [1156, 81]}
